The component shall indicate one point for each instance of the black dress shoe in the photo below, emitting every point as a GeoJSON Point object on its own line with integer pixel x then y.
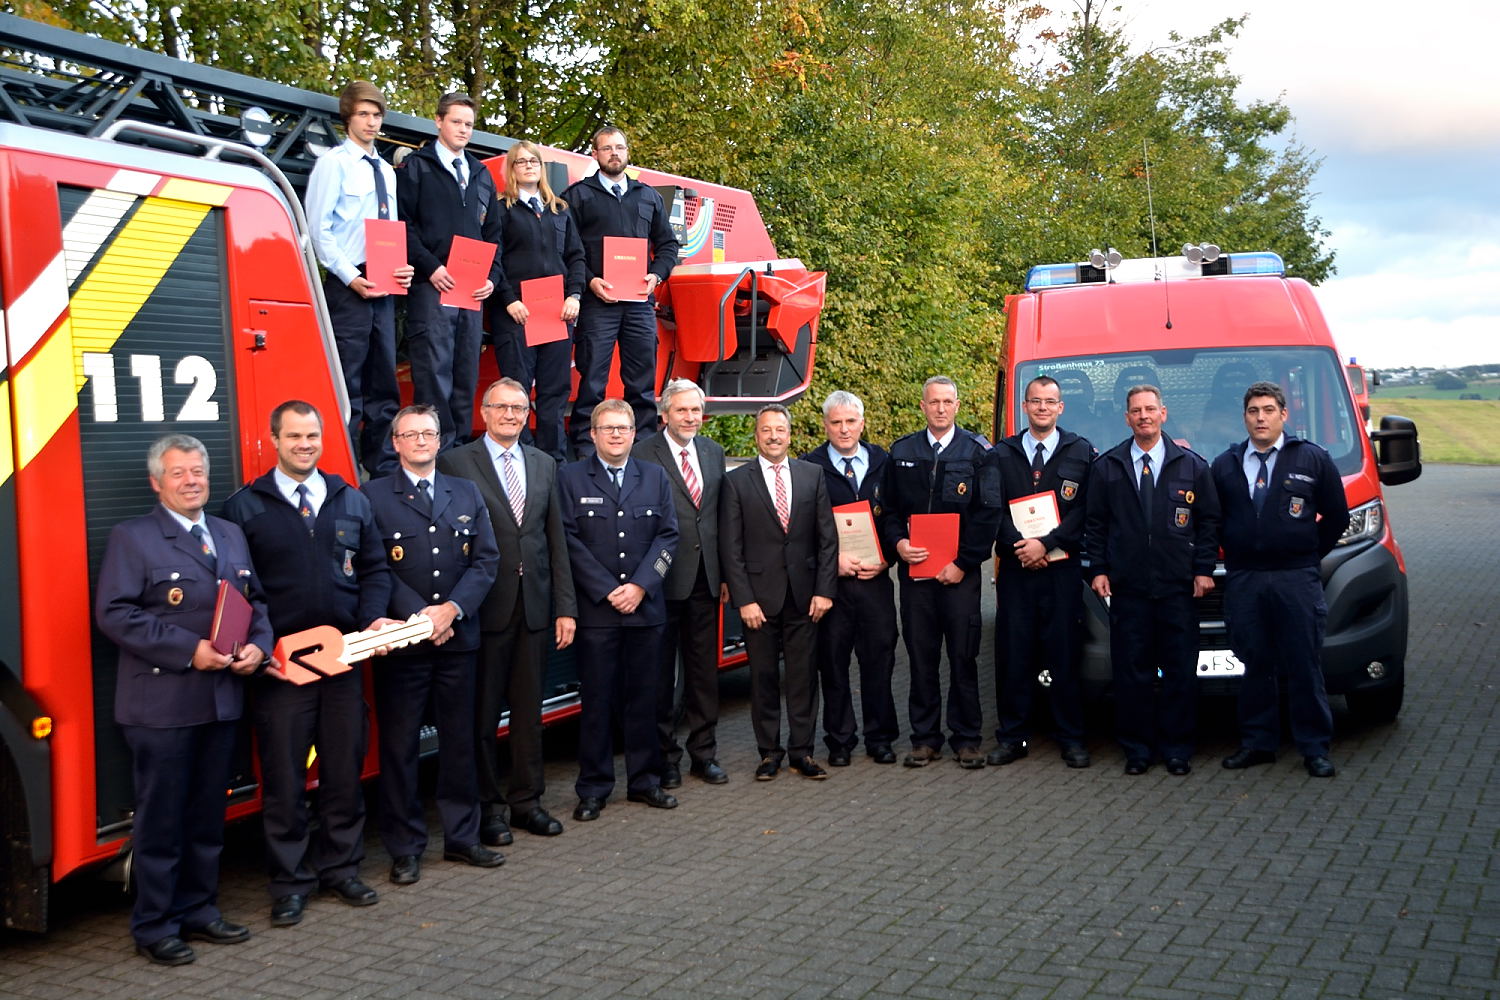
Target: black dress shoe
{"type": "Point", "coordinates": [671, 776]}
{"type": "Point", "coordinates": [287, 910]}
{"type": "Point", "coordinates": [539, 823]}
{"type": "Point", "coordinates": [1137, 765]}
{"type": "Point", "coordinates": [354, 892]}
{"type": "Point", "coordinates": [218, 931]}
{"type": "Point", "coordinates": [838, 758]}
{"type": "Point", "coordinates": [653, 797]}
{"type": "Point", "coordinates": [167, 951]}
{"type": "Point", "coordinates": [1319, 766]}
{"type": "Point", "coordinates": [475, 854]}
{"type": "Point", "coordinates": [1243, 758]}
{"type": "Point", "coordinates": [1006, 753]}
{"type": "Point", "coordinates": [495, 832]}
{"type": "Point", "coordinates": [406, 869]}
{"type": "Point", "coordinates": [711, 772]}
{"type": "Point", "coordinates": [588, 808]}
{"type": "Point", "coordinates": [768, 768]}
{"type": "Point", "coordinates": [808, 768]}
{"type": "Point", "coordinates": [1075, 755]}
{"type": "Point", "coordinates": [882, 754]}
{"type": "Point", "coordinates": [1178, 766]}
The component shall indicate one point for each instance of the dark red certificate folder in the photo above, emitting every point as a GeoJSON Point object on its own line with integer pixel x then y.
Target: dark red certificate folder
{"type": "Point", "coordinates": [231, 620]}
{"type": "Point", "coordinates": [938, 534]}
{"type": "Point", "coordinates": [543, 299]}
{"type": "Point", "coordinates": [469, 266]}
{"type": "Point", "coordinates": [625, 267]}
{"type": "Point", "coordinates": [385, 250]}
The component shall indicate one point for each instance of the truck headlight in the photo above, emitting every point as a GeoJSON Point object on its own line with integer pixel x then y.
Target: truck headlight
{"type": "Point", "coordinates": [1366, 522]}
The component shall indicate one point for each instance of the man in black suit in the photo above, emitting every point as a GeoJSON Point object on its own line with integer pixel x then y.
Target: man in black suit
{"type": "Point", "coordinates": [695, 467]}
{"type": "Point", "coordinates": [437, 537]}
{"type": "Point", "coordinates": [863, 617]}
{"type": "Point", "coordinates": [178, 698]}
{"type": "Point", "coordinates": [530, 608]}
{"type": "Point", "coordinates": [622, 534]}
{"type": "Point", "coordinates": [444, 191]}
{"type": "Point", "coordinates": [779, 548]}
{"type": "Point", "coordinates": [318, 553]}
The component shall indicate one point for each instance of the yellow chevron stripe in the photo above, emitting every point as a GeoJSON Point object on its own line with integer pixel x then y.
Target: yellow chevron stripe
{"type": "Point", "coordinates": [44, 394]}
{"type": "Point", "coordinates": [196, 191]}
{"type": "Point", "coordinates": [128, 272]}
{"type": "Point", "coordinates": [7, 463]}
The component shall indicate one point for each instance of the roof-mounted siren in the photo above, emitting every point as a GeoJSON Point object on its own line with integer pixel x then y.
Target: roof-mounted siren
{"type": "Point", "coordinates": [1210, 260]}
{"type": "Point", "coordinates": [1095, 270]}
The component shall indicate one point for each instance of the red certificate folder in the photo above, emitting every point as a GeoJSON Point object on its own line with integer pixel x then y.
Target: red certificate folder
{"type": "Point", "coordinates": [543, 299]}
{"type": "Point", "coordinates": [231, 620]}
{"type": "Point", "coordinates": [385, 250]}
{"type": "Point", "coordinates": [469, 266]}
{"type": "Point", "coordinates": [938, 534]}
{"type": "Point", "coordinates": [625, 267]}
{"type": "Point", "coordinates": [856, 529]}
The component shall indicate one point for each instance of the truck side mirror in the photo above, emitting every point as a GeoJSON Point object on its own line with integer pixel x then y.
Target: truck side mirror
{"type": "Point", "coordinates": [1399, 453]}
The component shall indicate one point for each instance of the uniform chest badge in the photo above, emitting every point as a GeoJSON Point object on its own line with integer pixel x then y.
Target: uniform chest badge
{"type": "Point", "coordinates": [464, 519]}
{"type": "Point", "coordinates": [174, 596]}
{"type": "Point", "coordinates": [877, 510]}
{"type": "Point", "coordinates": [1181, 517]}
{"type": "Point", "coordinates": [962, 488]}
{"type": "Point", "coordinates": [1069, 489]}
{"type": "Point", "coordinates": [397, 553]}
{"type": "Point", "coordinates": [348, 563]}
{"type": "Point", "coordinates": [466, 548]}
{"type": "Point", "coordinates": [1296, 506]}
{"type": "Point", "coordinates": [1188, 496]}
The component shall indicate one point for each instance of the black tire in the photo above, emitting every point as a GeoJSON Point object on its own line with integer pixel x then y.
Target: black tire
{"type": "Point", "coordinates": [1377, 706]}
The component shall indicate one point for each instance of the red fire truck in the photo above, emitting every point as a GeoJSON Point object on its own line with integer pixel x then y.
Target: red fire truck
{"type": "Point", "coordinates": [1203, 327]}
{"type": "Point", "coordinates": [156, 274]}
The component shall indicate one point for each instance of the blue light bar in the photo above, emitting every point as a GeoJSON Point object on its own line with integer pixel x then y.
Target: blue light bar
{"type": "Point", "coordinates": [1051, 276]}
{"type": "Point", "coordinates": [1260, 262]}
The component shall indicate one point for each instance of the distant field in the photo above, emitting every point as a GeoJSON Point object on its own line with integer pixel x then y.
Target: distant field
{"type": "Point", "coordinates": [1465, 432]}
{"type": "Point", "coordinates": [1486, 390]}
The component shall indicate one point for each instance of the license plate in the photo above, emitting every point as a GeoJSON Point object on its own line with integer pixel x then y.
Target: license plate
{"type": "Point", "coordinates": [1219, 663]}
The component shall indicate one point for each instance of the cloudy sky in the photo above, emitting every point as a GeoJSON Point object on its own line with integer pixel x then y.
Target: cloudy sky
{"type": "Point", "coordinates": [1402, 108]}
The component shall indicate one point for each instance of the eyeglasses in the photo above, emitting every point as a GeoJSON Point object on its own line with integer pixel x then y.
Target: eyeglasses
{"type": "Point", "coordinates": [416, 436]}
{"type": "Point", "coordinates": [1043, 402]}
{"type": "Point", "coordinates": [614, 428]}
{"type": "Point", "coordinates": [506, 407]}
{"type": "Point", "coordinates": [527, 161]}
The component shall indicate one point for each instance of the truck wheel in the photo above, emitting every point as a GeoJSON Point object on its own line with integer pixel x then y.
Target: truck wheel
{"type": "Point", "coordinates": [1379, 706]}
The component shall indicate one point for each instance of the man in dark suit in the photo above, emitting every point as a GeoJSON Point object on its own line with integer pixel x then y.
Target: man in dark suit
{"type": "Point", "coordinates": [610, 203]}
{"type": "Point", "coordinates": [178, 697]}
{"type": "Point", "coordinates": [779, 548]}
{"type": "Point", "coordinates": [318, 553]}
{"type": "Point", "coordinates": [530, 608]}
{"type": "Point", "coordinates": [1151, 539]}
{"type": "Point", "coordinates": [622, 534]}
{"type": "Point", "coordinates": [863, 618]}
{"type": "Point", "coordinates": [1039, 582]}
{"type": "Point", "coordinates": [1284, 510]}
{"type": "Point", "coordinates": [444, 191]}
{"type": "Point", "coordinates": [437, 537]}
{"type": "Point", "coordinates": [695, 466]}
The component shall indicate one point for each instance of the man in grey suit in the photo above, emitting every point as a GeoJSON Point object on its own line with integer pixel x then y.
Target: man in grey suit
{"type": "Point", "coordinates": [694, 589]}
{"type": "Point", "coordinates": [531, 602]}
{"type": "Point", "coordinates": [780, 551]}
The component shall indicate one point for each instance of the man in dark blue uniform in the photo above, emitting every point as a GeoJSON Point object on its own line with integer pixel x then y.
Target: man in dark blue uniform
{"type": "Point", "coordinates": [1039, 585]}
{"type": "Point", "coordinates": [1284, 510]}
{"type": "Point", "coordinates": [437, 536]}
{"type": "Point", "coordinates": [863, 618]}
{"type": "Point", "coordinates": [622, 534]}
{"type": "Point", "coordinates": [445, 191]}
{"type": "Point", "coordinates": [1151, 539]}
{"type": "Point", "coordinates": [177, 698]}
{"type": "Point", "coordinates": [938, 471]}
{"type": "Point", "coordinates": [610, 203]}
{"type": "Point", "coordinates": [319, 557]}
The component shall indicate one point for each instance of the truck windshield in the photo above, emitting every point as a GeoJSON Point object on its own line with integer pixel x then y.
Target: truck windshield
{"type": "Point", "coordinates": [1203, 391]}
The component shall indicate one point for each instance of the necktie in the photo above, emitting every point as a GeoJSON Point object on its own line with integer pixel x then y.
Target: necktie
{"type": "Point", "coordinates": [618, 189]}
{"type": "Point", "coordinates": [424, 496]}
{"type": "Point", "coordinates": [937, 447]}
{"type": "Point", "coordinates": [458, 174]}
{"type": "Point", "coordinates": [849, 473]}
{"type": "Point", "coordinates": [304, 506]}
{"type": "Point", "coordinates": [536, 206]}
{"type": "Point", "coordinates": [615, 477]}
{"type": "Point", "coordinates": [691, 479]}
{"type": "Point", "coordinates": [514, 491]}
{"type": "Point", "coordinates": [202, 535]}
{"type": "Point", "coordinates": [1038, 464]}
{"type": "Point", "coordinates": [1262, 480]}
{"type": "Point", "coordinates": [1146, 487]}
{"type": "Point", "coordinates": [382, 196]}
{"type": "Point", "coordinates": [783, 504]}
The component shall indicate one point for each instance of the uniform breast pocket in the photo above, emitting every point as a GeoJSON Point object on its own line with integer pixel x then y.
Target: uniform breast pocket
{"type": "Point", "coordinates": [348, 533]}
{"type": "Point", "coordinates": [646, 519]}
{"type": "Point", "coordinates": [1180, 500]}
{"type": "Point", "coordinates": [645, 212]}
{"type": "Point", "coordinates": [358, 185]}
{"type": "Point", "coordinates": [180, 589]}
{"type": "Point", "coordinates": [463, 542]}
{"type": "Point", "coordinates": [1299, 504]}
{"type": "Point", "coordinates": [958, 481]}
{"type": "Point", "coordinates": [1070, 476]}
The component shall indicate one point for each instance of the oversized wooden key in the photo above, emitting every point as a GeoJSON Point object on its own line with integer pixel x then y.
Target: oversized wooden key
{"type": "Point", "coordinates": [323, 651]}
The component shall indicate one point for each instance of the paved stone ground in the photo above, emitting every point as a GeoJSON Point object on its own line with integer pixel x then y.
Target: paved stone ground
{"type": "Point", "coordinates": [1027, 881]}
